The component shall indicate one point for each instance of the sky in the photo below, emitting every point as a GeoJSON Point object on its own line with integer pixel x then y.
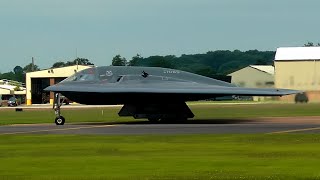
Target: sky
{"type": "Point", "coordinates": [61, 30]}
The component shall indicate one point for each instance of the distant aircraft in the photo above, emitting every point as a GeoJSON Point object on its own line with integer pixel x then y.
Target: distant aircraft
{"type": "Point", "coordinates": [147, 92]}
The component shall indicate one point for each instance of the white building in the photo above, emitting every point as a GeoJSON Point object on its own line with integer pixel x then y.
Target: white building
{"type": "Point", "coordinates": [8, 87]}
{"type": "Point", "coordinates": [298, 68]}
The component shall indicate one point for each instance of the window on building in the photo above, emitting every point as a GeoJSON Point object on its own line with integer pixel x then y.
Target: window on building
{"type": "Point", "coordinates": [242, 84]}
{"type": "Point", "coordinates": [258, 84]}
{"type": "Point", "coordinates": [291, 81]}
{"type": "Point", "coordinates": [269, 83]}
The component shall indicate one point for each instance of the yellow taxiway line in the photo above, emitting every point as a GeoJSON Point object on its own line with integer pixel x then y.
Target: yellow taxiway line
{"type": "Point", "coordinates": [52, 130]}
{"type": "Point", "coordinates": [295, 130]}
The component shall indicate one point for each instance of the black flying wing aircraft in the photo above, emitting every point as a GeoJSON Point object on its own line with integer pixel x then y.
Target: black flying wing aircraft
{"type": "Point", "coordinates": [147, 92]}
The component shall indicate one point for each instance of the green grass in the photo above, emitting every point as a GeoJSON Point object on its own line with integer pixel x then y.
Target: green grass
{"type": "Point", "coordinates": [227, 111]}
{"type": "Point", "coordinates": [202, 111]}
{"type": "Point", "coordinates": [160, 157]}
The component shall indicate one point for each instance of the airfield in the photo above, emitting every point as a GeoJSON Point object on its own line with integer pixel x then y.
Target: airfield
{"type": "Point", "coordinates": [226, 126]}
{"type": "Point", "coordinates": [224, 141]}
{"type": "Point", "coordinates": [215, 125]}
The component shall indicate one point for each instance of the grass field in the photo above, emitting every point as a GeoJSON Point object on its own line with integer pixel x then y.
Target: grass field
{"type": "Point", "coordinates": [155, 157]}
{"type": "Point", "coordinates": [160, 157]}
{"type": "Point", "coordinates": [202, 112]}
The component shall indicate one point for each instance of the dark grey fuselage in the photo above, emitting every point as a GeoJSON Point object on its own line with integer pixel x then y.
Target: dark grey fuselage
{"type": "Point", "coordinates": [126, 85]}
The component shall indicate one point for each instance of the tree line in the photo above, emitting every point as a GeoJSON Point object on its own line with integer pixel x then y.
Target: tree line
{"type": "Point", "coordinates": [210, 64]}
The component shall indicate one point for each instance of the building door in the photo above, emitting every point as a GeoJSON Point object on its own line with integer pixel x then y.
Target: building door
{"type": "Point", "coordinates": [38, 95]}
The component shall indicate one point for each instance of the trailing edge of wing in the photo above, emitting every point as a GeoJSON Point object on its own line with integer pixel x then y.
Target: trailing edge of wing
{"type": "Point", "coordinates": [204, 89]}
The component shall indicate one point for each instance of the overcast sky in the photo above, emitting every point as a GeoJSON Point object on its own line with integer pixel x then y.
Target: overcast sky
{"type": "Point", "coordinates": [53, 30]}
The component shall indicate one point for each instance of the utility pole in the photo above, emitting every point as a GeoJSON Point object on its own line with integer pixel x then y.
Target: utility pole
{"type": "Point", "coordinates": [77, 58]}
{"type": "Point", "coordinates": [32, 65]}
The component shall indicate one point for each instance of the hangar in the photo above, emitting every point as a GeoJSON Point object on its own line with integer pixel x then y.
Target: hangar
{"type": "Point", "coordinates": [298, 68]}
{"type": "Point", "coordinates": [38, 80]}
{"type": "Point", "coordinates": [254, 76]}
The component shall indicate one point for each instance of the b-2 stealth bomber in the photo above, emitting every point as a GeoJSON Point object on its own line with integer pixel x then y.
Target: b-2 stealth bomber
{"type": "Point", "coordinates": [147, 92]}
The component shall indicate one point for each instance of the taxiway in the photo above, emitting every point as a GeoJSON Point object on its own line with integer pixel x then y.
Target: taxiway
{"type": "Point", "coordinates": [245, 126]}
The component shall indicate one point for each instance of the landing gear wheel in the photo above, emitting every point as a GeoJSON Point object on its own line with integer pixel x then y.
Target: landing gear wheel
{"type": "Point", "coordinates": [153, 119]}
{"type": "Point", "coordinates": [60, 120]}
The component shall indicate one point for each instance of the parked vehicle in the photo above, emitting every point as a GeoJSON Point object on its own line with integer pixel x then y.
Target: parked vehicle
{"type": "Point", "coordinates": [13, 102]}
{"type": "Point", "coordinates": [301, 98]}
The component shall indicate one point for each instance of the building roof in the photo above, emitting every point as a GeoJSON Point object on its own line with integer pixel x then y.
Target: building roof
{"type": "Point", "coordinates": [58, 72]}
{"type": "Point", "coordinates": [297, 53]}
{"type": "Point", "coordinates": [8, 87]}
{"type": "Point", "coordinates": [264, 68]}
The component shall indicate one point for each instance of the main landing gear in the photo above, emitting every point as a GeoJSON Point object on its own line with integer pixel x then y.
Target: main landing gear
{"type": "Point", "coordinates": [59, 120]}
{"type": "Point", "coordinates": [173, 112]}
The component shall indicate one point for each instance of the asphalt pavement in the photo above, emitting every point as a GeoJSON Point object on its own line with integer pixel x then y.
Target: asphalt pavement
{"type": "Point", "coordinates": [246, 126]}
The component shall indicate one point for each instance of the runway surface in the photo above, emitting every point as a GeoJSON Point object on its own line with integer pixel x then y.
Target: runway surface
{"type": "Point", "coordinates": [247, 126]}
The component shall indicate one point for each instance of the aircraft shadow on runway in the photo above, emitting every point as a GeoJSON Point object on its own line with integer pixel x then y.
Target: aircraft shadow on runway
{"type": "Point", "coordinates": [193, 121]}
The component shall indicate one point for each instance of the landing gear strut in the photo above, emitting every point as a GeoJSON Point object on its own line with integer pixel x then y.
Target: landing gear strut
{"type": "Point", "coordinates": [59, 120]}
{"type": "Point", "coordinates": [173, 112]}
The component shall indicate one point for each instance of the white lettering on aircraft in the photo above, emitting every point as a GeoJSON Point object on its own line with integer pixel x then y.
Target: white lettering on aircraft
{"type": "Point", "coordinates": [171, 72]}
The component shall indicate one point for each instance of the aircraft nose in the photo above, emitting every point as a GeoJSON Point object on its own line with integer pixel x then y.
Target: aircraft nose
{"type": "Point", "coordinates": [50, 88]}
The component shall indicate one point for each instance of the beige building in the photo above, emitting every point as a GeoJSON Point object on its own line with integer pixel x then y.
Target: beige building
{"type": "Point", "coordinates": [254, 76]}
{"type": "Point", "coordinates": [298, 68]}
{"type": "Point", "coordinates": [38, 80]}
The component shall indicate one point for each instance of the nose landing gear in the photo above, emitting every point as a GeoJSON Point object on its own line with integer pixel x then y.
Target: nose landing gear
{"type": "Point", "coordinates": [59, 120]}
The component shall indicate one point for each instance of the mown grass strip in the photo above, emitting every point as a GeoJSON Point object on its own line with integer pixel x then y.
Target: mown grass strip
{"type": "Point", "coordinates": [287, 156]}
{"type": "Point", "coordinates": [202, 112]}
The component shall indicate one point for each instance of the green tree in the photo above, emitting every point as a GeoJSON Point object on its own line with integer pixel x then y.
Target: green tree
{"type": "Point", "coordinates": [119, 61]}
{"type": "Point", "coordinates": [206, 71]}
{"type": "Point", "coordinates": [79, 61]}
{"type": "Point", "coordinates": [8, 75]}
{"type": "Point", "coordinates": [82, 61]}
{"type": "Point", "coordinates": [17, 88]}
{"type": "Point", "coordinates": [310, 44]}
{"type": "Point", "coordinates": [18, 70]}
{"type": "Point", "coordinates": [135, 60]}
{"type": "Point", "coordinates": [160, 61]}
{"type": "Point", "coordinates": [30, 68]}
{"type": "Point", "coordinates": [58, 64]}
{"type": "Point", "coordinates": [212, 63]}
